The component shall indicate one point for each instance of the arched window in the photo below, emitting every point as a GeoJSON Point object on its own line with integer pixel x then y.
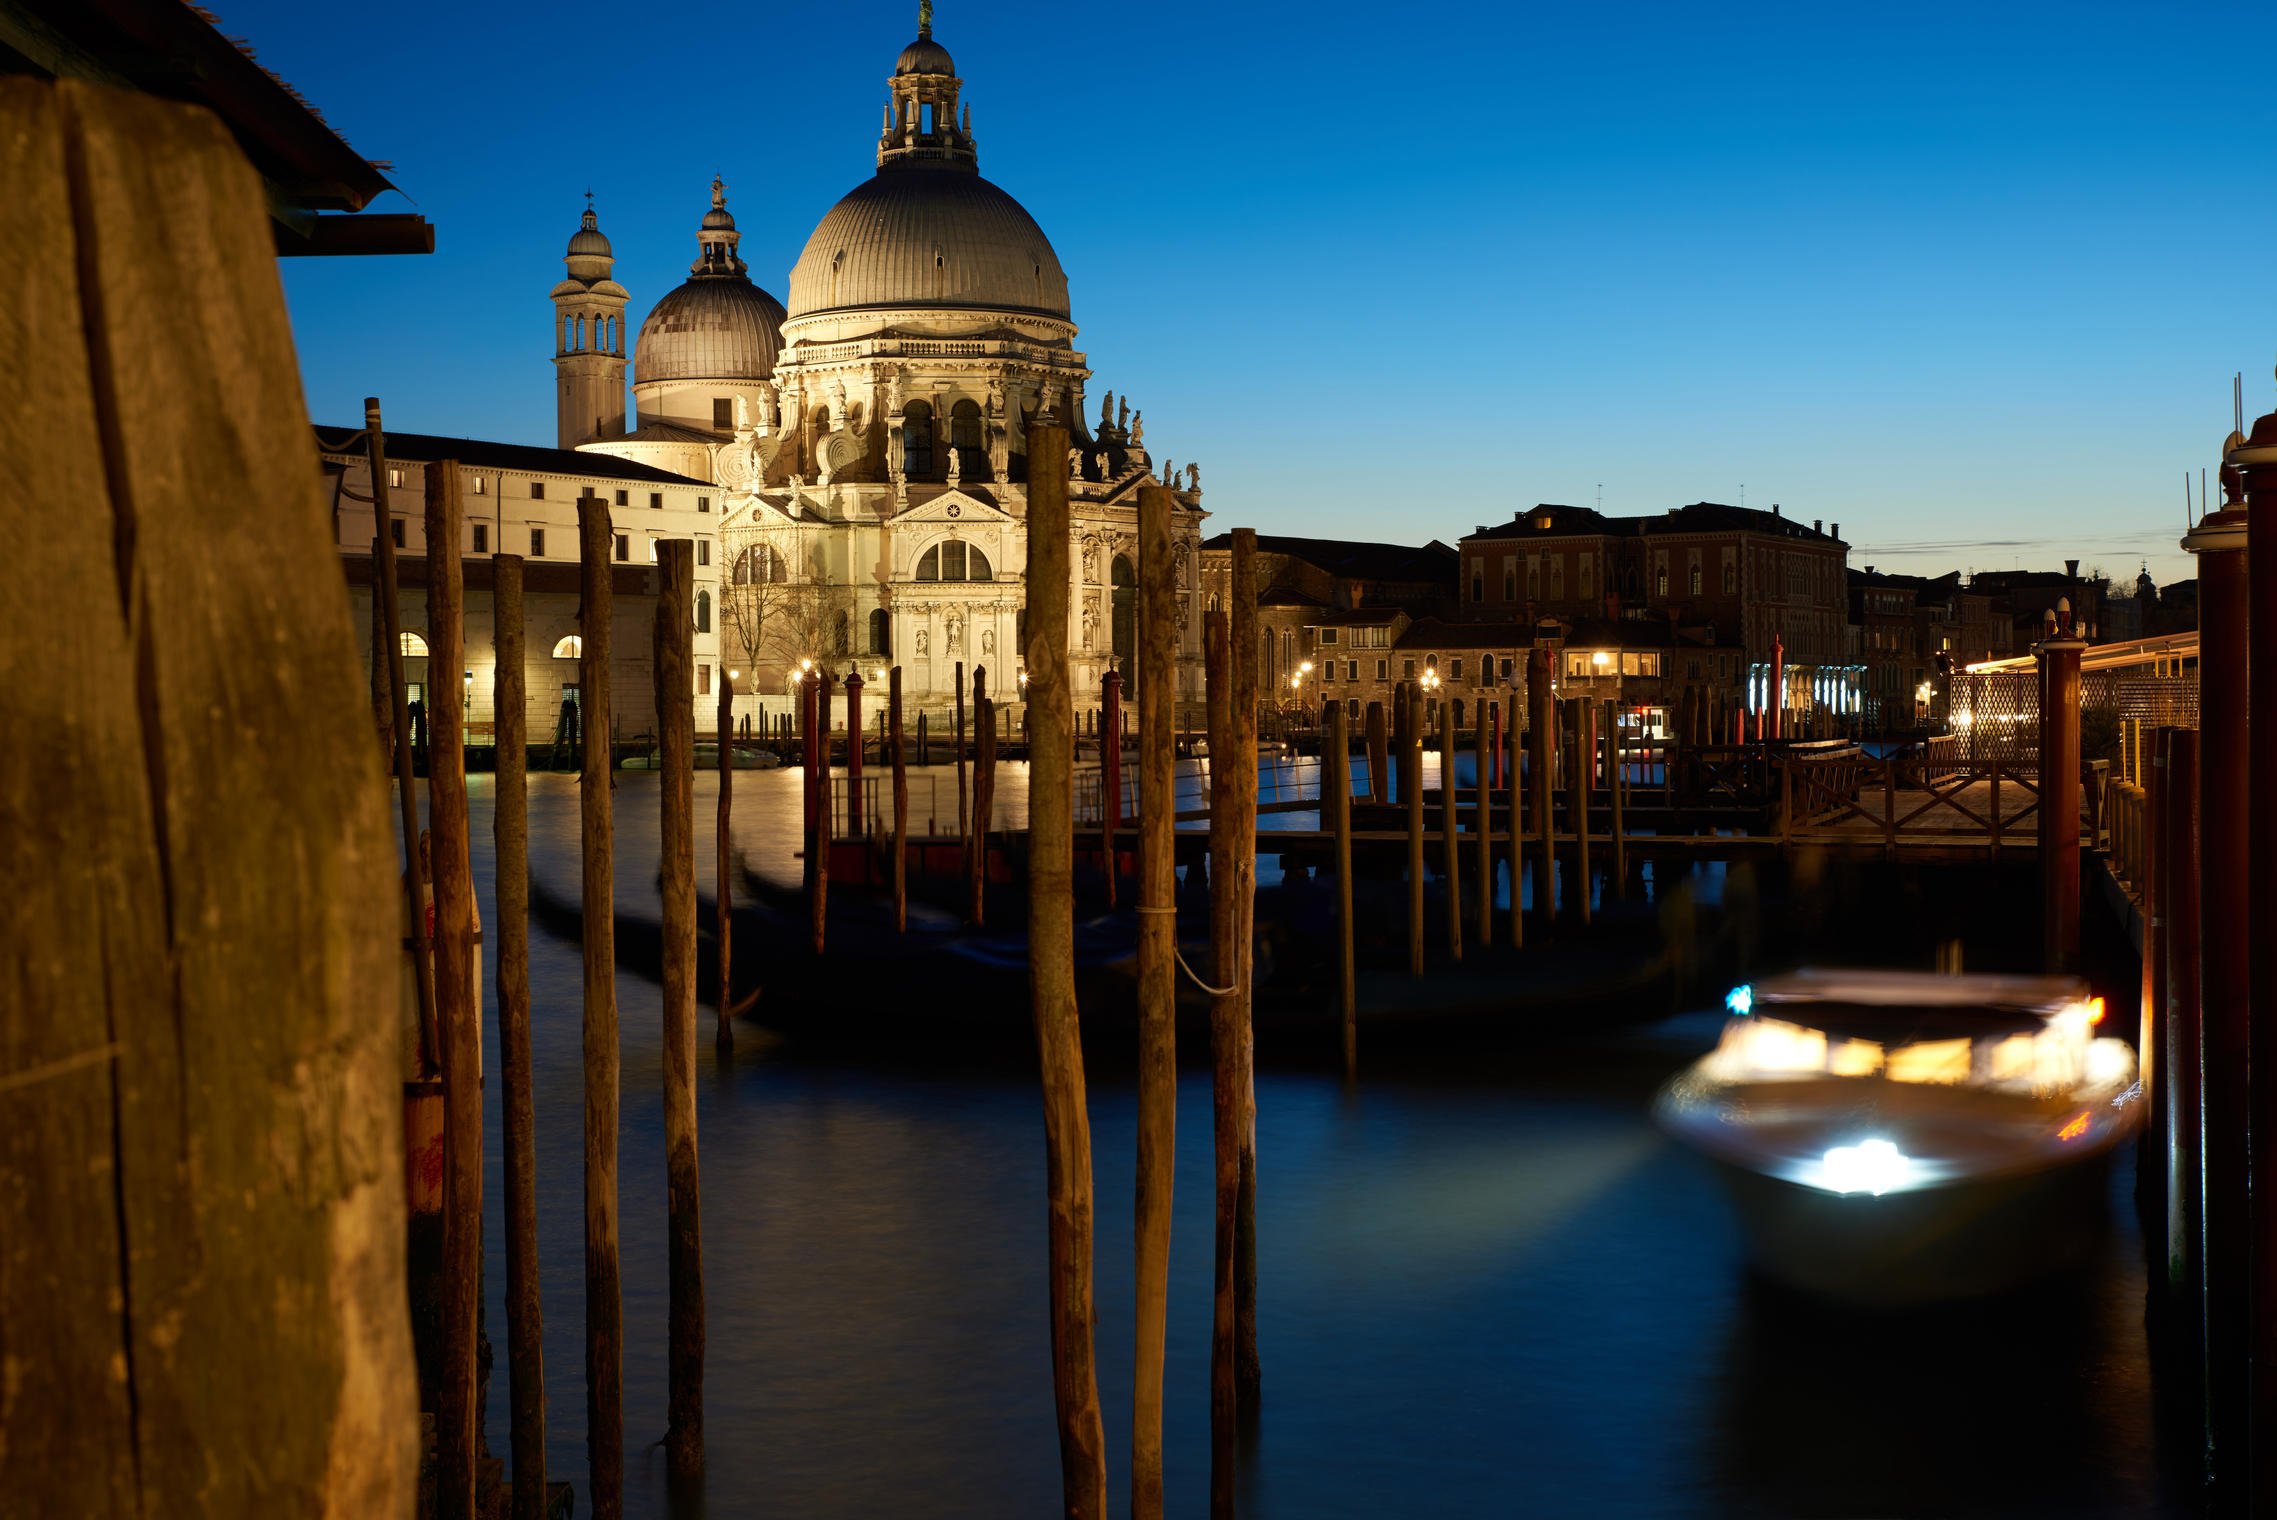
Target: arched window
{"type": "Point", "coordinates": [1123, 610]}
{"type": "Point", "coordinates": [759, 566]}
{"type": "Point", "coordinates": [570, 648]}
{"type": "Point", "coordinates": [413, 645]}
{"type": "Point", "coordinates": [881, 632]}
{"type": "Point", "coordinates": [1695, 580]}
{"type": "Point", "coordinates": [964, 435]}
{"type": "Point", "coordinates": [703, 612]}
{"type": "Point", "coordinates": [954, 560]}
{"type": "Point", "coordinates": [917, 439]}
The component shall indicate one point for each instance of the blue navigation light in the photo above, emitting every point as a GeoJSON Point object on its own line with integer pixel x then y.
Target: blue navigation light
{"type": "Point", "coordinates": [1740, 1000]}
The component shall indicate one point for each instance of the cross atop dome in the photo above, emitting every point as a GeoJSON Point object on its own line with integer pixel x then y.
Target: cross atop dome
{"type": "Point", "coordinates": [921, 114]}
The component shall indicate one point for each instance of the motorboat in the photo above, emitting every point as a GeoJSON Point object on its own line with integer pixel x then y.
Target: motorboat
{"type": "Point", "coordinates": [1892, 1138]}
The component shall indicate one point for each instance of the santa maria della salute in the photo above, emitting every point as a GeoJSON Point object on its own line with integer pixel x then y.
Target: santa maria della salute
{"type": "Point", "coordinates": [852, 467]}
{"type": "Point", "coordinates": [869, 440]}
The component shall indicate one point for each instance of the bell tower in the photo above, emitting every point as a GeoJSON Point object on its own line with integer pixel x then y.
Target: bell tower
{"type": "Point", "coordinates": [589, 339]}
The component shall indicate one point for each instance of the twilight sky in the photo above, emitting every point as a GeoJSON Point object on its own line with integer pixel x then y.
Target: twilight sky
{"type": "Point", "coordinates": [1970, 280]}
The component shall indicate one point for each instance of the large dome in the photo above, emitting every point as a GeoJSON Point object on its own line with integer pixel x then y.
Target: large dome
{"type": "Point", "coordinates": [711, 328]}
{"type": "Point", "coordinates": [923, 235]}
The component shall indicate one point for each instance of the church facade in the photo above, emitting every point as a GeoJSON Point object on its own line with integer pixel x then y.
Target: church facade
{"type": "Point", "coordinates": [869, 439]}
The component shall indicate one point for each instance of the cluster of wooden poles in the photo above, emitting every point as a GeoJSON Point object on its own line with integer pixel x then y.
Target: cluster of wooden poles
{"type": "Point", "coordinates": [2207, 875]}
{"type": "Point", "coordinates": [443, 1100]}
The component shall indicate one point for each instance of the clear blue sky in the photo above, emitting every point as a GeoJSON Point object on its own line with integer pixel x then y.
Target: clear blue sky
{"type": "Point", "coordinates": [1970, 280]}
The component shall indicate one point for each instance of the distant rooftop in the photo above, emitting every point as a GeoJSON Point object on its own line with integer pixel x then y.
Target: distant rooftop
{"type": "Point", "coordinates": [419, 448]}
{"type": "Point", "coordinates": [1351, 559]}
{"type": "Point", "coordinates": [1700, 517]}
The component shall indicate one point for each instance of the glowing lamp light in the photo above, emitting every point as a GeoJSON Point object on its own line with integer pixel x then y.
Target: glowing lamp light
{"type": "Point", "coordinates": [2095, 1010]}
{"type": "Point", "coordinates": [2073, 1130]}
{"type": "Point", "coordinates": [1740, 1000]}
{"type": "Point", "coordinates": [1871, 1166]}
{"type": "Point", "coordinates": [1601, 658]}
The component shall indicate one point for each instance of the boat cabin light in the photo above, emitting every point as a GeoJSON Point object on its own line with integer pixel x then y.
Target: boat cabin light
{"type": "Point", "coordinates": [1740, 999]}
{"type": "Point", "coordinates": [1871, 1166]}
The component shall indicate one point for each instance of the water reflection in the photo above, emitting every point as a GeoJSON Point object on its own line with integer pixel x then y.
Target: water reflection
{"type": "Point", "coordinates": [1486, 1286]}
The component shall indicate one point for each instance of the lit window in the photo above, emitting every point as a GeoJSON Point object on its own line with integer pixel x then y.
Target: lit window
{"type": "Point", "coordinates": [395, 479]}
{"type": "Point", "coordinates": [414, 646]}
{"type": "Point", "coordinates": [480, 487]}
{"type": "Point", "coordinates": [570, 648]}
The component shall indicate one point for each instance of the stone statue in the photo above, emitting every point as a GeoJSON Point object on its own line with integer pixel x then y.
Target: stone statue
{"type": "Point", "coordinates": [924, 643]}
{"type": "Point", "coordinates": [893, 389]}
{"type": "Point", "coordinates": [1107, 411]}
{"type": "Point", "coordinates": [956, 627]}
{"type": "Point", "coordinates": [1193, 477]}
{"type": "Point", "coordinates": [956, 465]}
{"type": "Point", "coordinates": [988, 641]}
{"type": "Point", "coordinates": [1138, 427]}
{"type": "Point", "coordinates": [742, 414]}
{"type": "Point", "coordinates": [1090, 626]}
{"type": "Point", "coordinates": [1102, 465]}
{"type": "Point", "coordinates": [1170, 474]}
{"type": "Point", "coordinates": [1074, 464]}
{"type": "Point", "coordinates": [1123, 421]}
{"type": "Point", "coordinates": [996, 398]}
{"type": "Point", "coordinates": [837, 404]}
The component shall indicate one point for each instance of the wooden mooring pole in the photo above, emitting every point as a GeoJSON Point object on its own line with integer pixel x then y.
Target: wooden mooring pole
{"type": "Point", "coordinates": [963, 831]}
{"type": "Point", "coordinates": [674, 669]}
{"type": "Point", "coordinates": [1379, 758]}
{"type": "Point", "coordinates": [1158, 990]}
{"type": "Point", "coordinates": [857, 820]}
{"type": "Point", "coordinates": [1618, 786]}
{"type": "Point", "coordinates": [983, 789]}
{"type": "Point", "coordinates": [1484, 760]}
{"type": "Point", "coordinates": [2254, 460]}
{"type": "Point", "coordinates": [900, 806]}
{"type": "Point", "coordinates": [1336, 774]}
{"type": "Point", "coordinates": [1244, 888]}
{"type": "Point", "coordinates": [723, 885]}
{"type": "Point", "coordinates": [1541, 747]}
{"type": "Point", "coordinates": [1051, 981]}
{"type": "Point", "coordinates": [2183, 1051]}
{"type": "Point", "coordinates": [824, 825]}
{"type": "Point", "coordinates": [525, 1324]}
{"type": "Point", "coordinates": [1110, 772]}
{"type": "Point", "coordinates": [1517, 833]}
{"type": "Point", "coordinates": [604, 1294]}
{"type": "Point", "coordinates": [2224, 985]}
{"type": "Point", "coordinates": [1578, 787]}
{"type": "Point", "coordinates": [1411, 793]}
{"type": "Point", "coordinates": [1225, 962]}
{"type": "Point", "coordinates": [2059, 798]}
{"type": "Point", "coordinates": [457, 1009]}
{"type": "Point", "coordinates": [1450, 843]}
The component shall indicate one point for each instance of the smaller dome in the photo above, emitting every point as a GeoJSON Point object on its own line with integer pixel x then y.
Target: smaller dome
{"type": "Point", "coordinates": [924, 56]}
{"type": "Point", "coordinates": [588, 240]}
{"type": "Point", "coordinates": [718, 220]}
{"type": "Point", "coordinates": [713, 327]}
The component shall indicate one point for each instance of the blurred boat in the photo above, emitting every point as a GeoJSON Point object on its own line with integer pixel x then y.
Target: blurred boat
{"type": "Point", "coordinates": [1894, 1138]}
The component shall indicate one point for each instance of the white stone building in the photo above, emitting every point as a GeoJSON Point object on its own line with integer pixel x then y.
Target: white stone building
{"type": "Point", "coordinates": [869, 442]}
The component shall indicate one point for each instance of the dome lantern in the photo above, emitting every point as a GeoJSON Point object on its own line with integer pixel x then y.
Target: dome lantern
{"type": "Point", "coordinates": [921, 115]}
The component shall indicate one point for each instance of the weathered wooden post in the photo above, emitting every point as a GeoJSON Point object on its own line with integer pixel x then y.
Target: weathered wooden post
{"type": "Point", "coordinates": [1051, 980]}
{"type": "Point", "coordinates": [963, 831]}
{"type": "Point", "coordinates": [1617, 787]}
{"type": "Point", "coordinates": [2150, 1048]}
{"type": "Point", "coordinates": [456, 1438]}
{"type": "Point", "coordinates": [1110, 770]}
{"type": "Point", "coordinates": [900, 806]}
{"type": "Point", "coordinates": [1511, 781]}
{"type": "Point", "coordinates": [1158, 989]}
{"type": "Point", "coordinates": [1379, 757]}
{"type": "Point", "coordinates": [2253, 461]}
{"type": "Point", "coordinates": [983, 788]}
{"type": "Point", "coordinates": [1484, 760]}
{"type": "Point", "coordinates": [856, 813]}
{"type": "Point", "coordinates": [723, 888]}
{"type": "Point", "coordinates": [1411, 761]}
{"type": "Point", "coordinates": [1541, 741]}
{"type": "Point", "coordinates": [924, 741]}
{"type": "Point", "coordinates": [1578, 789]}
{"type": "Point", "coordinates": [525, 1346]}
{"type": "Point", "coordinates": [1337, 777]}
{"type": "Point", "coordinates": [1245, 676]}
{"type": "Point", "coordinates": [2059, 796]}
{"type": "Point", "coordinates": [414, 878]}
{"type": "Point", "coordinates": [1450, 844]}
{"type": "Point", "coordinates": [674, 668]}
{"type": "Point", "coordinates": [2183, 1051]}
{"type": "Point", "coordinates": [1225, 961]}
{"type": "Point", "coordinates": [816, 756]}
{"type": "Point", "coordinates": [2225, 985]}
{"type": "Point", "coordinates": [825, 826]}
{"type": "Point", "coordinates": [604, 1294]}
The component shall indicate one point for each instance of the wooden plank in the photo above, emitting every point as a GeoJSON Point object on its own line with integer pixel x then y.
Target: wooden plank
{"type": "Point", "coordinates": [230, 854]}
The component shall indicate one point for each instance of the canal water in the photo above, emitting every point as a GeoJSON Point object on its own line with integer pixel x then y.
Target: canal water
{"type": "Point", "coordinates": [1486, 1284]}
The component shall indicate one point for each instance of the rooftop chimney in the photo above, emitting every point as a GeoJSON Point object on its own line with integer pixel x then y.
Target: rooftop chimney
{"type": "Point", "coordinates": [2071, 569]}
{"type": "Point", "coordinates": [1834, 530]}
{"type": "Point", "coordinates": [1775, 512]}
{"type": "Point", "coordinates": [1817, 526]}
